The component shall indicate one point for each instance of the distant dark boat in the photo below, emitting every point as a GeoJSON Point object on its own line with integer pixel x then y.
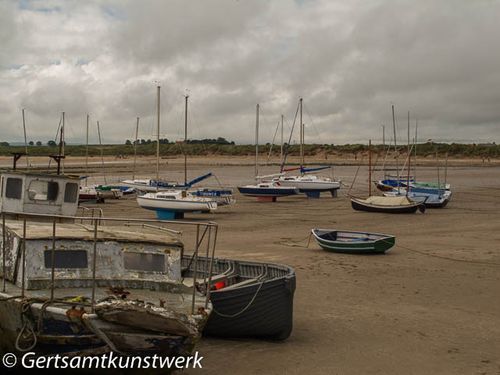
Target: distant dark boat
{"type": "Point", "coordinates": [250, 299]}
{"type": "Point", "coordinates": [353, 242]}
{"type": "Point", "coordinates": [390, 205]}
{"type": "Point", "coordinates": [267, 189]}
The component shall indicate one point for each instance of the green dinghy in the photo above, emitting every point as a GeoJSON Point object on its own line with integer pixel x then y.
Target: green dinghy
{"type": "Point", "coordinates": [353, 242]}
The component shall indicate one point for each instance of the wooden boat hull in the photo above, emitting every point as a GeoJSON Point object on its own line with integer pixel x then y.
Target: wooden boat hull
{"type": "Point", "coordinates": [263, 309]}
{"type": "Point", "coordinates": [374, 243]}
{"type": "Point", "coordinates": [88, 334]}
{"type": "Point", "coordinates": [360, 205]}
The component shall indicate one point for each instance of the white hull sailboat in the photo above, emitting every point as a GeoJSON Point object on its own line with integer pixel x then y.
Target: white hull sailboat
{"type": "Point", "coordinates": [311, 185]}
{"type": "Point", "coordinates": [309, 182]}
{"type": "Point", "coordinates": [175, 201]}
{"type": "Point", "coordinates": [171, 204]}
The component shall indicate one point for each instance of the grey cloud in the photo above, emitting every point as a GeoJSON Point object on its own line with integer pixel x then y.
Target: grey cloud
{"type": "Point", "coordinates": [349, 60]}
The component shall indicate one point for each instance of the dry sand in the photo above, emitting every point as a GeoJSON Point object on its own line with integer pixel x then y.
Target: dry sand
{"type": "Point", "coordinates": [429, 306]}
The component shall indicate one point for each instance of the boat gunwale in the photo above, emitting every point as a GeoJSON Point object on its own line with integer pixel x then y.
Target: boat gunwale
{"type": "Point", "coordinates": [383, 236]}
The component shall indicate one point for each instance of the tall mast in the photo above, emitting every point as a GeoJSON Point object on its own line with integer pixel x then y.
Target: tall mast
{"type": "Point", "coordinates": [158, 137]}
{"type": "Point", "coordinates": [415, 161]}
{"type": "Point", "coordinates": [87, 151]}
{"type": "Point", "coordinates": [62, 132]}
{"type": "Point", "coordinates": [135, 146]}
{"type": "Point", "coordinates": [102, 151]}
{"type": "Point", "coordinates": [281, 151]}
{"type": "Point", "coordinates": [61, 146]}
{"type": "Point", "coordinates": [257, 141]}
{"type": "Point", "coordinates": [409, 158]}
{"type": "Point", "coordinates": [445, 173]}
{"type": "Point", "coordinates": [25, 143]}
{"type": "Point", "coordinates": [437, 167]}
{"type": "Point", "coordinates": [301, 128]}
{"type": "Point", "coordinates": [370, 168]}
{"type": "Point", "coordinates": [383, 146]}
{"type": "Point", "coordinates": [395, 144]}
{"type": "Point", "coordinates": [185, 138]}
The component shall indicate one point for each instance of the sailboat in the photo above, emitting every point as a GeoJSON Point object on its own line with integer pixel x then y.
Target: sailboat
{"type": "Point", "coordinates": [265, 191]}
{"type": "Point", "coordinates": [390, 183]}
{"type": "Point", "coordinates": [222, 196]}
{"type": "Point", "coordinates": [307, 183]}
{"type": "Point", "coordinates": [172, 203]}
{"type": "Point", "coordinates": [153, 185]}
{"type": "Point", "coordinates": [393, 205]}
{"type": "Point", "coordinates": [432, 195]}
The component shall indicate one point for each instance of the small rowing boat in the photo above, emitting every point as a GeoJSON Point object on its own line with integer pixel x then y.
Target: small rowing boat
{"type": "Point", "coordinates": [353, 242]}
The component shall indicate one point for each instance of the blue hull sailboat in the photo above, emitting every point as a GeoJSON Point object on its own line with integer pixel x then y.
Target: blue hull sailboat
{"type": "Point", "coordinates": [265, 191]}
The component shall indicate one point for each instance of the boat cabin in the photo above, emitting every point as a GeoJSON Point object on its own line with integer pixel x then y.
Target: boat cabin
{"type": "Point", "coordinates": [39, 193]}
{"type": "Point", "coordinates": [132, 257]}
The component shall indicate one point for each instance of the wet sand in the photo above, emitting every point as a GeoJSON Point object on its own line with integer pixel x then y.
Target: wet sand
{"type": "Point", "coordinates": [429, 306]}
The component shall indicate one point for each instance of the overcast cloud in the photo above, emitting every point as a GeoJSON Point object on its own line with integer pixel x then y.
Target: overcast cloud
{"type": "Point", "coordinates": [349, 60]}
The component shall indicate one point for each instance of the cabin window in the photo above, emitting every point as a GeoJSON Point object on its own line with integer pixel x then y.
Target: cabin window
{"type": "Point", "coordinates": [71, 192]}
{"type": "Point", "coordinates": [144, 262]}
{"type": "Point", "coordinates": [14, 188]}
{"type": "Point", "coordinates": [66, 259]}
{"type": "Point", "coordinates": [43, 190]}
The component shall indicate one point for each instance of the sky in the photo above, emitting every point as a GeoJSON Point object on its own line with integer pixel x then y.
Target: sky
{"type": "Point", "coordinates": [350, 61]}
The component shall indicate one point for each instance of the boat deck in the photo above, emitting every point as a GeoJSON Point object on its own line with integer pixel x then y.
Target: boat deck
{"type": "Point", "coordinates": [179, 300]}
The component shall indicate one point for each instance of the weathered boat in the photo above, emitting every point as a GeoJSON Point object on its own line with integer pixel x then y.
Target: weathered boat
{"type": "Point", "coordinates": [250, 299]}
{"type": "Point", "coordinates": [353, 242]}
{"type": "Point", "coordinates": [59, 297]}
{"type": "Point", "coordinates": [389, 205]}
{"type": "Point", "coordinates": [92, 286]}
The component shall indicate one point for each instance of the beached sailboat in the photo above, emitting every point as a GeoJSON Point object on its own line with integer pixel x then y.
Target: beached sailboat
{"type": "Point", "coordinates": [433, 195]}
{"type": "Point", "coordinates": [432, 198]}
{"type": "Point", "coordinates": [389, 205]}
{"type": "Point", "coordinates": [306, 182]}
{"type": "Point", "coordinates": [172, 204]}
{"type": "Point", "coordinates": [341, 241]}
{"type": "Point", "coordinates": [153, 185]}
{"type": "Point", "coordinates": [384, 204]}
{"type": "Point", "coordinates": [438, 193]}
{"type": "Point", "coordinates": [265, 191]}
{"type": "Point", "coordinates": [222, 196]}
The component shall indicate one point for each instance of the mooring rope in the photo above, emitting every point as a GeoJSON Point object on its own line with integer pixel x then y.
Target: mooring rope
{"type": "Point", "coordinates": [244, 309]}
{"type": "Point", "coordinates": [298, 243]}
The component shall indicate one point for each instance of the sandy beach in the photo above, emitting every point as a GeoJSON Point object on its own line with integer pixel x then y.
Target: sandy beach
{"type": "Point", "coordinates": [429, 306]}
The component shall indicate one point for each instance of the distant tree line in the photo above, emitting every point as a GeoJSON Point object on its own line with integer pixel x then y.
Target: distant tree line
{"type": "Point", "coordinates": [209, 141]}
{"type": "Point", "coordinates": [163, 141]}
{"type": "Point", "coordinates": [221, 146]}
